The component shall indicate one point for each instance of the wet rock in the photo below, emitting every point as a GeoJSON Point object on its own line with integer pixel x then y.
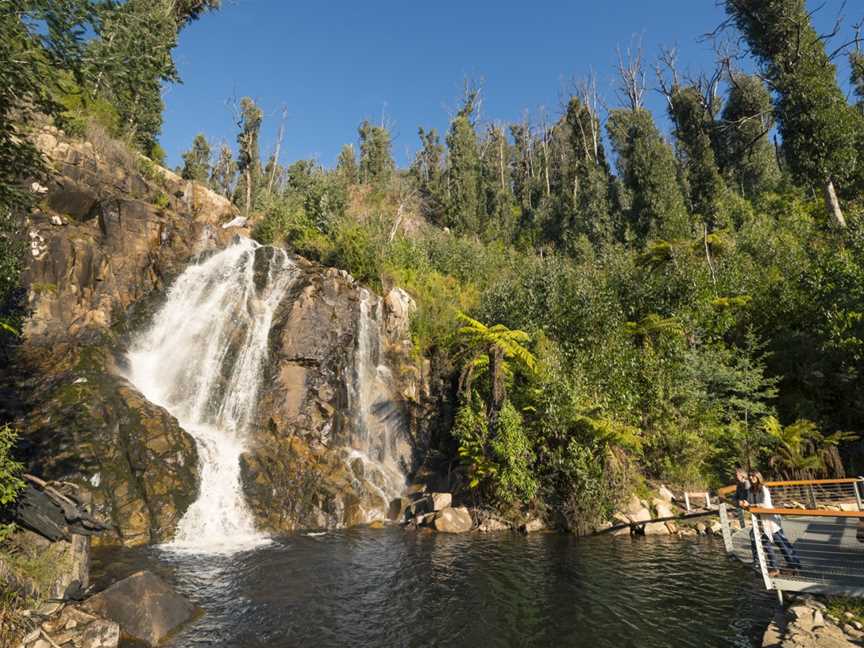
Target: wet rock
{"type": "Point", "coordinates": [399, 308]}
{"type": "Point", "coordinates": [130, 456]}
{"type": "Point", "coordinates": [492, 524]}
{"type": "Point", "coordinates": [656, 529]}
{"type": "Point", "coordinates": [453, 520]}
{"type": "Point", "coordinates": [339, 426]}
{"type": "Point", "coordinates": [398, 507]}
{"type": "Point", "coordinates": [634, 505]}
{"type": "Point", "coordinates": [144, 606]}
{"type": "Point", "coordinates": [441, 501]}
{"type": "Point", "coordinates": [620, 518]}
{"type": "Point", "coordinates": [532, 526]}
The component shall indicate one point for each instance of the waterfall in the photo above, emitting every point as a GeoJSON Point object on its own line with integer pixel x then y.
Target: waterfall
{"type": "Point", "coordinates": [202, 360]}
{"type": "Point", "coordinates": [372, 441]}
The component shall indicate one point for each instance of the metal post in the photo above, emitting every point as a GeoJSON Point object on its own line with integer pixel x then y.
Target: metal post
{"type": "Point", "coordinates": [856, 486]}
{"type": "Point", "coordinates": [687, 501]}
{"type": "Point", "coordinates": [760, 551]}
{"type": "Point", "coordinates": [724, 525]}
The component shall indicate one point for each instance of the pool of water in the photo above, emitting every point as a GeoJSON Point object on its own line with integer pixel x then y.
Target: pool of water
{"type": "Point", "coordinates": [388, 587]}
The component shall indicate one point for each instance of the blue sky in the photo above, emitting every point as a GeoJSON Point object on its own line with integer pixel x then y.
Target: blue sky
{"type": "Point", "coordinates": [334, 63]}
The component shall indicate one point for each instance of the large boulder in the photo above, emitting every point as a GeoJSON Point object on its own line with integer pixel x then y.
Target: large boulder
{"type": "Point", "coordinates": [86, 425]}
{"type": "Point", "coordinates": [453, 520]}
{"type": "Point", "coordinates": [144, 606]}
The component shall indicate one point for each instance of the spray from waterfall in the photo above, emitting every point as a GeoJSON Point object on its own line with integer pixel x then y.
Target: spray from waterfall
{"type": "Point", "coordinates": [202, 360]}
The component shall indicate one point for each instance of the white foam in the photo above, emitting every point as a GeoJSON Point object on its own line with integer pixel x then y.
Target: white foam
{"type": "Point", "coordinates": [202, 360]}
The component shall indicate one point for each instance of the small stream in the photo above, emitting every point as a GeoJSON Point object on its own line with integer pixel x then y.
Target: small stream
{"type": "Point", "coordinates": [388, 587]}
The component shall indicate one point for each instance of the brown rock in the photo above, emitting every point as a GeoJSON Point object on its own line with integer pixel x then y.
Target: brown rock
{"type": "Point", "coordinates": [144, 606]}
{"type": "Point", "coordinates": [441, 501]}
{"type": "Point", "coordinates": [453, 520]}
{"type": "Point", "coordinates": [656, 528]}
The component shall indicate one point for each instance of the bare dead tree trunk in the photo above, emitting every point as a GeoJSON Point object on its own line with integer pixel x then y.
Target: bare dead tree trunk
{"type": "Point", "coordinates": [501, 160]}
{"type": "Point", "coordinates": [833, 205]}
{"type": "Point", "coordinates": [399, 214]}
{"type": "Point", "coordinates": [276, 153]}
{"type": "Point", "coordinates": [708, 258]}
{"type": "Point", "coordinates": [248, 174]}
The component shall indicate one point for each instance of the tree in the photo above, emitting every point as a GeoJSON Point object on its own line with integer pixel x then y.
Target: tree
{"type": "Point", "coordinates": [130, 60]}
{"type": "Point", "coordinates": [249, 118]}
{"type": "Point", "coordinates": [41, 41]}
{"type": "Point", "coordinates": [492, 349]}
{"type": "Point", "coordinates": [525, 185]}
{"type": "Point", "coordinates": [196, 161]}
{"type": "Point", "coordinates": [224, 172]}
{"type": "Point", "coordinates": [346, 165]}
{"type": "Point", "coordinates": [427, 171]}
{"type": "Point", "coordinates": [745, 153]}
{"type": "Point", "coordinates": [463, 168]}
{"type": "Point", "coordinates": [816, 123]}
{"type": "Point", "coordinates": [376, 158]}
{"type": "Point", "coordinates": [10, 473]}
{"type": "Point", "coordinates": [691, 112]}
{"type": "Point", "coordinates": [648, 170]}
{"type": "Point", "coordinates": [589, 169]}
{"type": "Point", "coordinates": [856, 65]}
{"type": "Point", "coordinates": [801, 451]}
{"type": "Point", "coordinates": [186, 11]}
{"type": "Point", "coordinates": [496, 189]}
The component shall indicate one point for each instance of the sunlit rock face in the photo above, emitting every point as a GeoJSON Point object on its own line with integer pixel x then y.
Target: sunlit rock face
{"type": "Point", "coordinates": [338, 430]}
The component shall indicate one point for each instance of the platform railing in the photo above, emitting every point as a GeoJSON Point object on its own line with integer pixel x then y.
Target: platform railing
{"type": "Point", "coordinates": [824, 551]}
{"type": "Point", "coordinates": [838, 494]}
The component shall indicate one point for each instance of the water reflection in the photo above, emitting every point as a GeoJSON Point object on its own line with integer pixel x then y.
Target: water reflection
{"type": "Point", "coordinates": [391, 588]}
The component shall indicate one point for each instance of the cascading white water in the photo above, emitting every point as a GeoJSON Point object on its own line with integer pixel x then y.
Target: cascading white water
{"type": "Point", "coordinates": [372, 441]}
{"type": "Point", "coordinates": [201, 360]}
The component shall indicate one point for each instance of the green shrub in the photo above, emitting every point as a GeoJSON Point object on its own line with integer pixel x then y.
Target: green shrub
{"type": "Point", "coordinates": [10, 473]}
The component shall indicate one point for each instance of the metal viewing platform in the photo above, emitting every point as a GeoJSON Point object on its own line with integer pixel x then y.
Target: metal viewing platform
{"type": "Point", "coordinates": [811, 541]}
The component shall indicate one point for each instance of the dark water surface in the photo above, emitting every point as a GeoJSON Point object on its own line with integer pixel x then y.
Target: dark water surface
{"type": "Point", "coordinates": [387, 587]}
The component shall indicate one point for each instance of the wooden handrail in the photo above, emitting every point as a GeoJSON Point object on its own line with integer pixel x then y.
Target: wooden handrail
{"type": "Point", "coordinates": [798, 482]}
{"type": "Point", "coordinates": [806, 512]}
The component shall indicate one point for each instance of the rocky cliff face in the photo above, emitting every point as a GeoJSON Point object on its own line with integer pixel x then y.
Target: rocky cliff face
{"type": "Point", "coordinates": [338, 422]}
{"type": "Point", "coordinates": [338, 428]}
